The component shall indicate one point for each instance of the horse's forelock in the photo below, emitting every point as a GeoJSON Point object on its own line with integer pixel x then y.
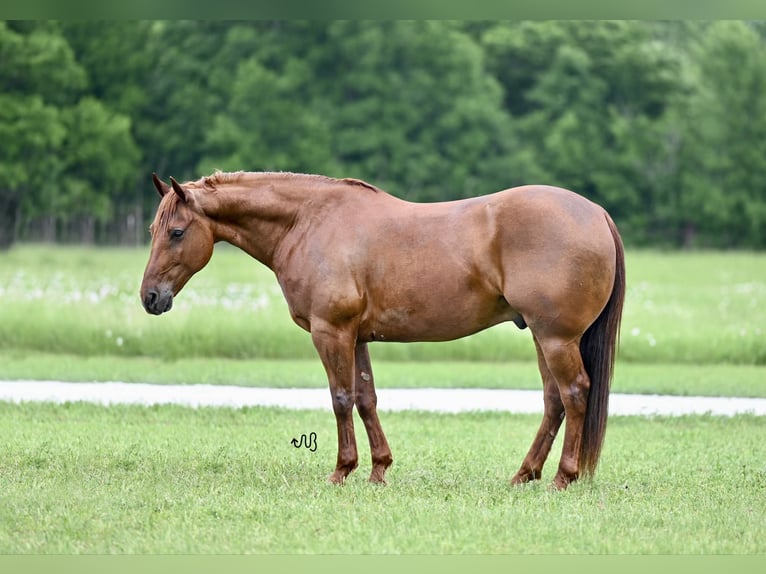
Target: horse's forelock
{"type": "Point", "coordinates": [166, 211]}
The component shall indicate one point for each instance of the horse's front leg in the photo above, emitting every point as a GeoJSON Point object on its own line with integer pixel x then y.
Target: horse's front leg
{"type": "Point", "coordinates": [366, 403]}
{"type": "Point", "coordinates": [336, 350]}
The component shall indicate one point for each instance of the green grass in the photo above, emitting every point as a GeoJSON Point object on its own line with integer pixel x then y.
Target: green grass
{"type": "Point", "coordinates": [693, 308]}
{"type": "Point", "coordinates": [80, 478]}
{"type": "Point", "coordinates": [668, 379]}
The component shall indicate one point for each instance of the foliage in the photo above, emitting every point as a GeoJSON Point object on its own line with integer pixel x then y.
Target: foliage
{"type": "Point", "coordinates": [661, 122]}
{"type": "Point", "coordinates": [263, 126]}
{"type": "Point", "coordinates": [64, 153]}
{"type": "Point", "coordinates": [722, 194]}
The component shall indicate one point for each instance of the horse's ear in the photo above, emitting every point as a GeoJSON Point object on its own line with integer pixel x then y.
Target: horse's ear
{"type": "Point", "coordinates": [178, 189]}
{"type": "Point", "coordinates": [162, 187]}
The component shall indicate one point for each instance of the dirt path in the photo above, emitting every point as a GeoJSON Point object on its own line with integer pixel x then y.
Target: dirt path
{"type": "Point", "coordinates": [436, 400]}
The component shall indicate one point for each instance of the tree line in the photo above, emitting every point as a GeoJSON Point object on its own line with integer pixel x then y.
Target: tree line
{"type": "Point", "coordinates": [663, 123]}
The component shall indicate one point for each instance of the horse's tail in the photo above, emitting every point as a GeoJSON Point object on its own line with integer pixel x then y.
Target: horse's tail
{"type": "Point", "coordinates": [598, 348]}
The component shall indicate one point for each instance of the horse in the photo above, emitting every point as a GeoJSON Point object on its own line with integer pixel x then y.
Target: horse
{"type": "Point", "coordinates": [358, 265]}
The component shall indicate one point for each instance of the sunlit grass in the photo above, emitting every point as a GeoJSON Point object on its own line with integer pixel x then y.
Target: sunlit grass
{"type": "Point", "coordinates": [695, 307]}
{"type": "Point", "coordinates": [85, 479]}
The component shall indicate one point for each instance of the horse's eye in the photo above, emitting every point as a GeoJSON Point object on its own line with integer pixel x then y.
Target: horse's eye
{"type": "Point", "coordinates": [177, 233]}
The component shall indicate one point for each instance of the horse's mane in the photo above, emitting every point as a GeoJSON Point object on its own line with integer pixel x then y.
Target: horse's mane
{"type": "Point", "coordinates": [211, 182]}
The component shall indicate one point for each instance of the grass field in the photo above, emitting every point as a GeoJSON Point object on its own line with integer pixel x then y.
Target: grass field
{"type": "Point", "coordinates": [85, 479]}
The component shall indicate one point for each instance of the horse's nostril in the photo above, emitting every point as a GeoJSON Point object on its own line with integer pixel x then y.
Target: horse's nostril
{"type": "Point", "coordinates": [157, 301]}
{"type": "Point", "coordinates": [151, 298]}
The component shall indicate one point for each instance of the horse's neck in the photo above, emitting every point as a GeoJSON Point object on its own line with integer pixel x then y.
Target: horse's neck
{"type": "Point", "coordinates": [256, 215]}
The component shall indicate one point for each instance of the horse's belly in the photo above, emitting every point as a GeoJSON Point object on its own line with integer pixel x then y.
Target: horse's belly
{"type": "Point", "coordinates": [442, 320]}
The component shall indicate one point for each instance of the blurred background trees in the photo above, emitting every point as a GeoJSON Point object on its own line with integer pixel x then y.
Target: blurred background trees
{"type": "Point", "coordinates": [663, 123]}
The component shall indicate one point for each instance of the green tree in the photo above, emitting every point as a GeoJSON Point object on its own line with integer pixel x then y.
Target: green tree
{"type": "Point", "coordinates": [266, 124]}
{"type": "Point", "coordinates": [184, 92]}
{"type": "Point", "coordinates": [414, 110]}
{"type": "Point", "coordinates": [118, 58]}
{"type": "Point", "coordinates": [664, 123]}
{"type": "Point", "coordinates": [122, 60]}
{"type": "Point", "coordinates": [721, 196]}
{"type": "Point", "coordinates": [592, 98]}
{"type": "Point", "coordinates": [38, 76]}
{"type": "Point", "coordinates": [29, 166]}
{"type": "Point", "coordinates": [99, 166]}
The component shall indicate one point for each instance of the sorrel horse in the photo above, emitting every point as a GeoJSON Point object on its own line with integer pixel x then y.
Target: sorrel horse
{"type": "Point", "coordinates": [358, 265]}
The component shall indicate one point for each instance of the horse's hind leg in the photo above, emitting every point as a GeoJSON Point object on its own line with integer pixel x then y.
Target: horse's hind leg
{"type": "Point", "coordinates": [532, 466]}
{"type": "Point", "coordinates": [565, 363]}
{"type": "Point", "coordinates": [366, 403]}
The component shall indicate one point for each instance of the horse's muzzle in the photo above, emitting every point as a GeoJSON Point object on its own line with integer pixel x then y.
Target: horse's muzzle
{"type": "Point", "coordinates": [157, 301]}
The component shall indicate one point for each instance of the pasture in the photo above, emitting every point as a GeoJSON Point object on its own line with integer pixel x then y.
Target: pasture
{"type": "Point", "coordinates": [79, 478]}
{"type": "Point", "coordinates": [84, 479]}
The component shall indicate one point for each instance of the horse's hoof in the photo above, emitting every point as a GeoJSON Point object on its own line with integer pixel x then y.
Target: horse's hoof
{"type": "Point", "coordinates": [561, 482]}
{"type": "Point", "coordinates": [524, 477]}
{"type": "Point", "coordinates": [376, 479]}
{"type": "Point", "coordinates": [336, 478]}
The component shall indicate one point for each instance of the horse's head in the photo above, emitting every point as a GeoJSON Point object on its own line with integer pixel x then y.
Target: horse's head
{"type": "Point", "coordinates": [182, 244]}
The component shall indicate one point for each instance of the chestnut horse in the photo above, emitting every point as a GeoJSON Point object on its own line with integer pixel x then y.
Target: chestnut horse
{"type": "Point", "coordinates": [358, 265]}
